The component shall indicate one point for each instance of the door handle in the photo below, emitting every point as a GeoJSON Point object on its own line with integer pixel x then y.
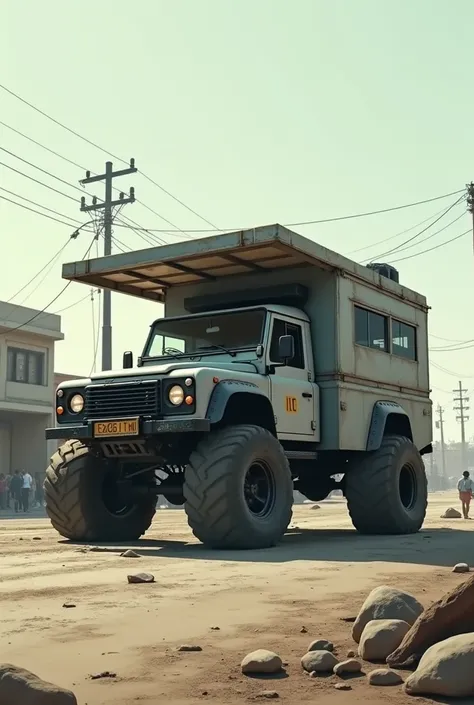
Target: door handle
{"type": "Point", "coordinates": [307, 395]}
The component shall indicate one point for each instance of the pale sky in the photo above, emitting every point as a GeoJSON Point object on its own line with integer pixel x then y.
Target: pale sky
{"type": "Point", "coordinates": [251, 112]}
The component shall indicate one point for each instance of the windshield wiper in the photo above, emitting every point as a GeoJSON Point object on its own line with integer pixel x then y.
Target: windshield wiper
{"type": "Point", "coordinates": [217, 347]}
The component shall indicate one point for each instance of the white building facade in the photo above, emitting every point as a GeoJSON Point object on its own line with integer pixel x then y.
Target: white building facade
{"type": "Point", "coordinates": [27, 387]}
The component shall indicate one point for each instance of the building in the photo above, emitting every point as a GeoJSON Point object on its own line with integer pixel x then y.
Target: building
{"type": "Point", "coordinates": [27, 386]}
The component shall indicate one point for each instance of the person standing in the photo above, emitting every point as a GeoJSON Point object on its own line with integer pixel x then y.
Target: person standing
{"type": "Point", "coordinates": [465, 488]}
{"type": "Point", "coordinates": [16, 486]}
{"type": "Point", "coordinates": [25, 490]}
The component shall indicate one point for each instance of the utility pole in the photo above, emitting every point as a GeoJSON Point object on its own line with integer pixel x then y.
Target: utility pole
{"type": "Point", "coordinates": [440, 425]}
{"type": "Point", "coordinates": [470, 205]}
{"type": "Point", "coordinates": [462, 408]}
{"type": "Point", "coordinates": [107, 206]}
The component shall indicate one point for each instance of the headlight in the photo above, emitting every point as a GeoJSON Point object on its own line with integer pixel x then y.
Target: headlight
{"type": "Point", "coordinates": [76, 403]}
{"type": "Point", "coordinates": [176, 395]}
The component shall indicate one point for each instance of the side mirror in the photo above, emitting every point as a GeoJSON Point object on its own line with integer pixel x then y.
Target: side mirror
{"type": "Point", "coordinates": [127, 360]}
{"type": "Point", "coordinates": [286, 348]}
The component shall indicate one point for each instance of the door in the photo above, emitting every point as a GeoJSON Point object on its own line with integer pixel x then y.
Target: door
{"type": "Point", "coordinates": [293, 395]}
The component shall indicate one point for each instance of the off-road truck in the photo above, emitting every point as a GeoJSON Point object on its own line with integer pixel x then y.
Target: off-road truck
{"type": "Point", "coordinates": [278, 364]}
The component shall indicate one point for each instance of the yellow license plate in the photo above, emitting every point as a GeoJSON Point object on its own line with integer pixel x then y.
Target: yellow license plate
{"type": "Point", "coordinates": [124, 427]}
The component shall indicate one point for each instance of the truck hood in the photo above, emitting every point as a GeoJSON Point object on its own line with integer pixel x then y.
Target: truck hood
{"type": "Point", "coordinates": [173, 366]}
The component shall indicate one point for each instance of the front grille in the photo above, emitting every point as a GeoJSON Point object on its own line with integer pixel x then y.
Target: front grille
{"type": "Point", "coordinates": [109, 401]}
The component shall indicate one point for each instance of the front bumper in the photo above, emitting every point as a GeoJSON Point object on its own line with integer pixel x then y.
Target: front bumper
{"type": "Point", "coordinates": [148, 427]}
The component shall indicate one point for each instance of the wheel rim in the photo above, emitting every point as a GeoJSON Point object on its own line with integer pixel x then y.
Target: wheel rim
{"type": "Point", "coordinates": [408, 486]}
{"type": "Point", "coordinates": [113, 498]}
{"type": "Point", "coordinates": [259, 489]}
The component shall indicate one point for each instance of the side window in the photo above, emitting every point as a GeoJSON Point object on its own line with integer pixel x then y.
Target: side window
{"type": "Point", "coordinates": [403, 340]}
{"type": "Point", "coordinates": [371, 329]}
{"type": "Point", "coordinates": [284, 328]}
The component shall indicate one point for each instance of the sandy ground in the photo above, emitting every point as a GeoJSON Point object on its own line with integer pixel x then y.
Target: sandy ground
{"type": "Point", "coordinates": [318, 576]}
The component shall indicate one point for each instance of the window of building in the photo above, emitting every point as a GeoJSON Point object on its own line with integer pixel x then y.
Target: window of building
{"type": "Point", "coordinates": [403, 340]}
{"type": "Point", "coordinates": [284, 328]}
{"type": "Point", "coordinates": [25, 366]}
{"type": "Point", "coordinates": [371, 329]}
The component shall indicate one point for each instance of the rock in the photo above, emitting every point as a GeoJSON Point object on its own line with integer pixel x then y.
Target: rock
{"type": "Point", "coordinates": [384, 676]}
{"type": "Point", "coordinates": [350, 654]}
{"type": "Point", "coordinates": [350, 620]}
{"type": "Point", "coordinates": [319, 661]}
{"type": "Point", "coordinates": [321, 645]}
{"type": "Point", "coordinates": [315, 506]}
{"type": "Point", "coordinates": [447, 668]}
{"type": "Point", "coordinates": [69, 605]}
{"type": "Point", "coordinates": [130, 554]}
{"type": "Point", "coordinates": [452, 614]}
{"type": "Point", "coordinates": [103, 674]}
{"type": "Point", "coordinates": [18, 687]}
{"type": "Point", "coordinates": [461, 568]}
{"type": "Point", "coordinates": [303, 630]}
{"type": "Point", "coordinates": [351, 665]}
{"type": "Point", "coordinates": [99, 549]}
{"type": "Point", "coordinates": [381, 637]}
{"type": "Point", "coordinates": [215, 629]}
{"type": "Point", "coordinates": [343, 686]}
{"type": "Point", "coordinates": [141, 578]}
{"type": "Point", "coordinates": [386, 603]}
{"type": "Point", "coordinates": [36, 538]}
{"type": "Point", "coordinates": [189, 647]}
{"type": "Point", "coordinates": [451, 513]}
{"type": "Point", "coordinates": [261, 661]}
{"type": "Point", "coordinates": [268, 694]}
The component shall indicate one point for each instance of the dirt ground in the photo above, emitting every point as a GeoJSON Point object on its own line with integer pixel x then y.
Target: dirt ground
{"type": "Point", "coordinates": [318, 576]}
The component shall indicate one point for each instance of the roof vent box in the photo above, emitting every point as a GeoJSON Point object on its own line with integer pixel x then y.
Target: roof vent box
{"type": "Point", "coordinates": [385, 270]}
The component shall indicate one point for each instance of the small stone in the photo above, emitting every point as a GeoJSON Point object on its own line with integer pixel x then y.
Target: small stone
{"type": "Point", "coordinates": [321, 645]}
{"type": "Point", "coordinates": [451, 513]}
{"type": "Point", "coordinates": [99, 549]}
{"type": "Point", "coordinates": [350, 620]}
{"type": "Point", "coordinates": [315, 506]}
{"type": "Point", "coordinates": [343, 686]}
{"type": "Point", "coordinates": [69, 605]}
{"type": "Point", "coordinates": [303, 630]}
{"type": "Point", "coordinates": [350, 654]}
{"type": "Point", "coordinates": [189, 647]}
{"type": "Point", "coordinates": [141, 578]}
{"type": "Point", "coordinates": [268, 694]}
{"type": "Point", "coordinates": [215, 629]}
{"type": "Point", "coordinates": [36, 538]}
{"type": "Point", "coordinates": [130, 554]}
{"type": "Point", "coordinates": [261, 661]}
{"type": "Point", "coordinates": [349, 666]}
{"type": "Point", "coordinates": [104, 674]}
{"type": "Point", "coordinates": [461, 568]}
{"type": "Point", "coordinates": [384, 676]}
{"type": "Point", "coordinates": [320, 661]}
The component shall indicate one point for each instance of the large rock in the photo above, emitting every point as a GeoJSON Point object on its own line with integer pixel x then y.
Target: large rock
{"type": "Point", "coordinates": [451, 513]}
{"type": "Point", "coordinates": [262, 661]}
{"type": "Point", "coordinates": [381, 637]}
{"type": "Point", "coordinates": [385, 602]}
{"type": "Point", "coordinates": [20, 687]}
{"type": "Point", "coordinates": [447, 668]}
{"type": "Point", "coordinates": [321, 645]}
{"type": "Point", "coordinates": [384, 676]}
{"type": "Point", "coordinates": [319, 662]}
{"type": "Point", "coordinates": [351, 665]}
{"type": "Point", "coordinates": [452, 614]}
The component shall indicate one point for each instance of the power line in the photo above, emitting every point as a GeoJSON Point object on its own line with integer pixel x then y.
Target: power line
{"type": "Point", "coordinates": [44, 171]}
{"type": "Point", "coordinates": [45, 215]}
{"type": "Point", "coordinates": [76, 303]}
{"type": "Point", "coordinates": [414, 237]}
{"type": "Point", "coordinates": [97, 146]}
{"type": "Point", "coordinates": [448, 372]}
{"type": "Point", "coordinates": [34, 203]}
{"type": "Point", "coordinates": [436, 247]}
{"type": "Point", "coordinates": [51, 188]}
{"type": "Point", "coordinates": [50, 262]}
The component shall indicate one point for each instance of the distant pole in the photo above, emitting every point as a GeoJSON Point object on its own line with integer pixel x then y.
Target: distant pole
{"type": "Point", "coordinates": [470, 206]}
{"type": "Point", "coordinates": [440, 425]}
{"type": "Point", "coordinates": [107, 206]}
{"type": "Point", "coordinates": [461, 408]}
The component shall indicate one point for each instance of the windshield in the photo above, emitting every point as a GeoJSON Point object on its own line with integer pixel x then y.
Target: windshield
{"type": "Point", "coordinates": [198, 335]}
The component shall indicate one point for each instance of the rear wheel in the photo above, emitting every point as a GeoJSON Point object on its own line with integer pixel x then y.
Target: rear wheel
{"type": "Point", "coordinates": [387, 492]}
{"type": "Point", "coordinates": [238, 489]}
{"type": "Point", "coordinates": [86, 503]}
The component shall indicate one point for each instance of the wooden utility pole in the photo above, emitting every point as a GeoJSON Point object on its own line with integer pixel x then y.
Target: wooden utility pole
{"type": "Point", "coordinates": [461, 408]}
{"type": "Point", "coordinates": [470, 205]}
{"type": "Point", "coordinates": [440, 425]}
{"type": "Point", "coordinates": [107, 206]}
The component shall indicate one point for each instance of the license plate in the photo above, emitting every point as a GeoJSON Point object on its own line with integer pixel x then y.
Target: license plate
{"type": "Point", "coordinates": [124, 427]}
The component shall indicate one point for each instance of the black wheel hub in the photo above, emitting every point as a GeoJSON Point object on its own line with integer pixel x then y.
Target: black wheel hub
{"type": "Point", "coordinates": [408, 486]}
{"type": "Point", "coordinates": [259, 489]}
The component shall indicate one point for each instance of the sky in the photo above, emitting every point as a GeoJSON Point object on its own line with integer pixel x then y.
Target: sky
{"type": "Point", "coordinates": [249, 112]}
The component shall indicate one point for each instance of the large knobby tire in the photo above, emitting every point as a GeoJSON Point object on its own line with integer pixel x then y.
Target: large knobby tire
{"type": "Point", "coordinates": [74, 494]}
{"type": "Point", "coordinates": [387, 492]}
{"type": "Point", "coordinates": [238, 489]}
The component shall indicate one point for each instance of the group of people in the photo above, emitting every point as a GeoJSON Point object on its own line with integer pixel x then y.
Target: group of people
{"type": "Point", "coordinates": [18, 491]}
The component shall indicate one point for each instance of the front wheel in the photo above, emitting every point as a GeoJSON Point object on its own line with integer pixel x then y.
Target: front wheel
{"type": "Point", "coordinates": [387, 492]}
{"type": "Point", "coordinates": [238, 489]}
{"type": "Point", "coordinates": [84, 501]}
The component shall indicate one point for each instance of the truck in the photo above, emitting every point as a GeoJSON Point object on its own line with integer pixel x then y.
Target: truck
{"type": "Point", "coordinates": [278, 365]}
